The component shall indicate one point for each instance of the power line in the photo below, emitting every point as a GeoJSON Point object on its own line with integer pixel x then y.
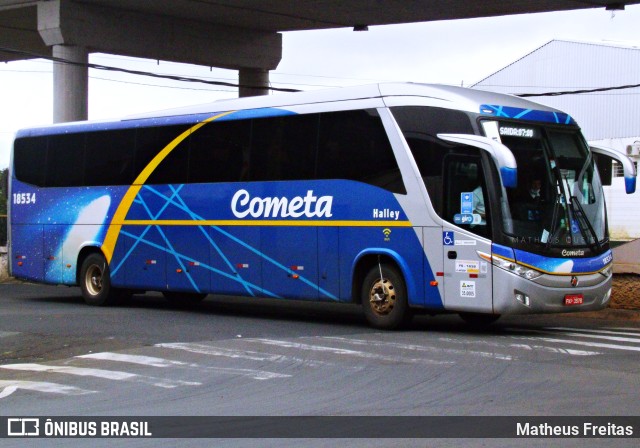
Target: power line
{"type": "Point", "coordinates": [578, 92]}
{"type": "Point", "coordinates": [140, 73]}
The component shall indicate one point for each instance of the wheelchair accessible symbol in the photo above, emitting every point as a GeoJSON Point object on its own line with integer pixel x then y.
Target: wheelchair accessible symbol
{"type": "Point", "coordinates": [448, 239]}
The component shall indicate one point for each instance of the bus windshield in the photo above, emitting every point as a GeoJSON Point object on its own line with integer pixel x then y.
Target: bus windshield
{"type": "Point", "coordinates": [558, 202]}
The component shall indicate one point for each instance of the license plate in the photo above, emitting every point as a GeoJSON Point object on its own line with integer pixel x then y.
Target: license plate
{"type": "Point", "coordinates": [573, 299]}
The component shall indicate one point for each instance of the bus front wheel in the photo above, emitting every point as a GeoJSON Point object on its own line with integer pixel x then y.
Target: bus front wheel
{"type": "Point", "coordinates": [384, 298]}
{"type": "Point", "coordinates": [95, 281]}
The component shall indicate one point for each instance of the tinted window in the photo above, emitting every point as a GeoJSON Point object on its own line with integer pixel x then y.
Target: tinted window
{"type": "Point", "coordinates": [150, 141]}
{"type": "Point", "coordinates": [65, 167]}
{"type": "Point", "coordinates": [219, 152]}
{"type": "Point", "coordinates": [29, 160]}
{"type": "Point", "coordinates": [354, 145]}
{"type": "Point", "coordinates": [283, 148]}
{"type": "Point", "coordinates": [420, 127]}
{"type": "Point", "coordinates": [109, 157]}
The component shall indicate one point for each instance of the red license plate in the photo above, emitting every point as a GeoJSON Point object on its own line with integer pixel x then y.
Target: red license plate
{"type": "Point", "coordinates": [573, 299]}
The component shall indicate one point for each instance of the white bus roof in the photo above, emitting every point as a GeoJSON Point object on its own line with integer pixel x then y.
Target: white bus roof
{"type": "Point", "coordinates": [445, 96]}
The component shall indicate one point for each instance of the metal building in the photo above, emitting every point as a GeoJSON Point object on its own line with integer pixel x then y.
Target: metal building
{"type": "Point", "coordinates": [608, 118]}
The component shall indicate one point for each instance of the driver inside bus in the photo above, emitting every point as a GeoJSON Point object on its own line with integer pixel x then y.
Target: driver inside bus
{"type": "Point", "coordinates": [532, 200]}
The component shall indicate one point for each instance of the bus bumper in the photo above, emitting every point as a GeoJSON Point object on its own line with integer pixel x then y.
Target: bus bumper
{"type": "Point", "coordinates": [549, 293]}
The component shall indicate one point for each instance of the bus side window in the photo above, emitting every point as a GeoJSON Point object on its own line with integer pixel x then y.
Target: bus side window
{"type": "Point", "coordinates": [283, 148]}
{"type": "Point", "coordinates": [354, 145]}
{"type": "Point", "coordinates": [150, 141]}
{"type": "Point", "coordinates": [464, 178]}
{"type": "Point", "coordinates": [30, 160]}
{"type": "Point", "coordinates": [217, 152]}
{"type": "Point", "coordinates": [109, 157]}
{"type": "Point", "coordinates": [65, 167]}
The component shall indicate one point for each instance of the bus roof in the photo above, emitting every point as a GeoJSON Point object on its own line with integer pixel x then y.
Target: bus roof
{"type": "Point", "coordinates": [456, 97]}
{"type": "Point", "coordinates": [437, 95]}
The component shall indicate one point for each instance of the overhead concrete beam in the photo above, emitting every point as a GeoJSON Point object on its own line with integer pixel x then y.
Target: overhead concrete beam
{"type": "Point", "coordinates": [110, 30]}
{"type": "Point", "coordinates": [18, 31]}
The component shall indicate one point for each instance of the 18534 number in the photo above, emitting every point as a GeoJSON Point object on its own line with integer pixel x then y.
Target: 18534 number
{"type": "Point", "coordinates": [24, 198]}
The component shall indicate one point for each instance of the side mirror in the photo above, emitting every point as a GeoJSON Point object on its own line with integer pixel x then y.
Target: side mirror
{"type": "Point", "coordinates": [501, 155]}
{"type": "Point", "coordinates": [629, 169]}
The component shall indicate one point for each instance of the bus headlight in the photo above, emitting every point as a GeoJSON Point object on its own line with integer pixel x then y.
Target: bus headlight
{"type": "Point", "coordinates": [607, 271]}
{"type": "Point", "coordinates": [515, 268]}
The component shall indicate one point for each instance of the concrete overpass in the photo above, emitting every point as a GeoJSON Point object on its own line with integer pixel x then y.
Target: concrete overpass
{"type": "Point", "coordinates": [237, 34]}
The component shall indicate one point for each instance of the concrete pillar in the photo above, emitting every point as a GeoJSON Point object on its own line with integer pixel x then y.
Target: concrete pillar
{"type": "Point", "coordinates": [70, 84]}
{"type": "Point", "coordinates": [253, 82]}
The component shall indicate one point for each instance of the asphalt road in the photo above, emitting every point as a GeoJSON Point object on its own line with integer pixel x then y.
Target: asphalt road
{"type": "Point", "coordinates": [235, 357]}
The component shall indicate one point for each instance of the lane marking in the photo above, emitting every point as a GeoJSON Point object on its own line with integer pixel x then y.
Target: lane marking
{"type": "Point", "coordinates": [133, 359]}
{"type": "Point", "coordinates": [589, 332]}
{"type": "Point", "coordinates": [209, 350]}
{"type": "Point", "coordinates": [586, 334]}
{"type": "Point", "coordinates": [526, 347]}
{"type": "Point", "coordinates": [346, 352]}
{"type": "Point", "coordinates": [583, 343]}
{"type": "Point", "coordinates": [421, 348]}
{"type": "Point", "coordinates": [6, 334]}
{"type": "Point", "coordinates": [633, 330]}
{"type": "Point", "coordinates": [564, 351]}
{"type": "Point", "coordinates": [7, 387]}
{"type": "Point", "coordinates": [112, 375]}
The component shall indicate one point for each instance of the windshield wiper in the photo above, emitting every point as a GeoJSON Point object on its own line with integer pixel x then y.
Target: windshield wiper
{"type": "Point", "coordinates": [580, 217]}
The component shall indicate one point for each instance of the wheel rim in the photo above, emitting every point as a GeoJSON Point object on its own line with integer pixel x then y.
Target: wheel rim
{"type": "Point", "coordinates": [93, 280]}
{"type": "Point", "coordinates": [382, 297]}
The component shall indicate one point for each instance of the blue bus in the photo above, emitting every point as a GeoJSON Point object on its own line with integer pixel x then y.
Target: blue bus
{"type": "Point", "coordinates": [405, 198]}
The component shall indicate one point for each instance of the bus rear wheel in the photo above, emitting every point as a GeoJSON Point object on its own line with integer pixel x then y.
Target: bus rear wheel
{"type": "Point", "coordinates": [384, 298]}
{"type": "Point", "coordinates": [95, 281]}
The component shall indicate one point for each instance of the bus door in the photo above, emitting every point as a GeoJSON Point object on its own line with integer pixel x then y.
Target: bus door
{"type": "Point", "coordinates": [467, 277]}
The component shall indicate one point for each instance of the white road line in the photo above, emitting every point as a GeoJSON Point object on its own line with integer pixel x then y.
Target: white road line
{"type": "Point", "coordinates": [113, 375]}
{"type": "Point", "coordinates": [584, 334]}
{"type": "Point", "coordinates": [208, 350]}
{"type": "Point", "coordinates": [583, 343]}
{"type": "Point", "coordinates": [346, 352]}
{"type": "Point", "coordinates": [420, 348]}
{"type": "Point", "coordinates": [6, 334]}
{"type": "Point", "coordinates": [633, 330]}
{"type": "Point", "coordinates": [252, 373]}
{"type": "Point", "coordinates": [524, 346]}
{"type": "Point", "coordinates": [590, 332]}
{"type": "Point", "coordinates": [133, 359]}
{"type": "Point", "coordinates": [564, 351]}
{"type": "Point", "coordinates": [7, 387]}
{"type": "Point", "coordinates": [203, 349]}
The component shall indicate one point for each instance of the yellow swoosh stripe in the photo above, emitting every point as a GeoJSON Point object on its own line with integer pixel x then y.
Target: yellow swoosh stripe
{"type": "Point", "coordinates": [113, 231]}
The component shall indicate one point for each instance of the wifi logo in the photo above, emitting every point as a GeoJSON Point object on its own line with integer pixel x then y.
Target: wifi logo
{"type": "Point", "coordinates": [387, 234]}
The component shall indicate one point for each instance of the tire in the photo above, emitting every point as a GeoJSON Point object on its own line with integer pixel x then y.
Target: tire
{"type": "Point", "coordinates": [178, 298]}
{"type": "Point", "coordinates": [479, 321]}
{"type": "Point", "coordinates": [384, 302]}
{"type": "Point", "coordinates": [95, 282]}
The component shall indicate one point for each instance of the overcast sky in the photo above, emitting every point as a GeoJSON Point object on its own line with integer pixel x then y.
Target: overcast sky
{"type": "Point", "coordinates": [459, 52]}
